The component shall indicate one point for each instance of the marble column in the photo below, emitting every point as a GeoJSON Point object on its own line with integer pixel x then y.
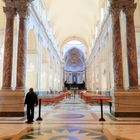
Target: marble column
{"type": "Point", "coordinates": [8, 47]}
{"type": "Point", "coordinates": [129, 9]}
{"type": "Point", "coordinates": [115, 8]}
{"type": "Point", "coordinates": [22, 46]}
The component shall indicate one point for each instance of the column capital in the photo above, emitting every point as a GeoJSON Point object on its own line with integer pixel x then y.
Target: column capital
{"type": "Point", "coordinates": [115, 8]}
{"type": "Point", "coordinates": [22, 11]}
{"type": "Point", "coordinates": [115, 11]}
{"type": "Point", "coordinates": [19, 3]}
{"type": "Point", "coordinates": [22, 7]}
{"type": "Point", "coordinates": [9, 11]}
{"type": "Point", "coordinates": [129, 8]}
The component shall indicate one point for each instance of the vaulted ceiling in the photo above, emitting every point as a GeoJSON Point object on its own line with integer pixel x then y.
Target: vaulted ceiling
{"type": "Point", "coordinates": [73, 19]}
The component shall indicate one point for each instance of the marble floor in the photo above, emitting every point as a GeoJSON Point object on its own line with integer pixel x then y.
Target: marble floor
{"type": "Point", "coordinates": [71, 119]}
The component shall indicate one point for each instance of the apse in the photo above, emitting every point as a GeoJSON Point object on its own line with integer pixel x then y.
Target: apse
{"type": "Point", "coordinates": [74, 56]}
{"type": "Point", "coordinates": [74, 59]}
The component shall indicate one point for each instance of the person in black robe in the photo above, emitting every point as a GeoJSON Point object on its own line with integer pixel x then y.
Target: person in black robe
{"type": "Point", "coordinates": [31, 100]}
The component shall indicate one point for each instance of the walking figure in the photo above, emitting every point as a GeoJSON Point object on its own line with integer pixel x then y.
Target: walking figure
{"type": "Point", "coordinates": [31, 100]}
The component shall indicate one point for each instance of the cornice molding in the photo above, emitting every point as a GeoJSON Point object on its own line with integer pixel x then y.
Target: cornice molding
{"type": "Point", "coordinates": [129, 9]}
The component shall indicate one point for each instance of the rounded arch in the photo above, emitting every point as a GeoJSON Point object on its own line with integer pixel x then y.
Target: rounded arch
{"type": "Point", "coordinates": [70, 38]}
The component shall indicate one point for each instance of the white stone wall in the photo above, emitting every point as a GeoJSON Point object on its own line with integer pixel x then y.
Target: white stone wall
{"type": "Point", "coordinates": [100, 65]}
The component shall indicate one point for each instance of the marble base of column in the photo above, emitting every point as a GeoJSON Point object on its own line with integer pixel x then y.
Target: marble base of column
{"type": "Point", "coordinates": [20, 89]}
{"type": "Point", "coordinates": [6, 88]}
{"type": "Point", "coordinates": [12, 103]}
{"type": "Point", "coordinates": [136, 88]}
{"type": "Point", "coordinates": [119, 89]}
{"type": "Point", "coordinates": [126, 103]}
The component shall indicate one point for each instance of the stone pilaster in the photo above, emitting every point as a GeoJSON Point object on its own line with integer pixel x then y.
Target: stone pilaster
{"type": "Point", "coordinates": [8, 47]}
{"type": "Point", "coordinates": [115, 8]}
{"type": "Point", "coordinates": [129, 9]}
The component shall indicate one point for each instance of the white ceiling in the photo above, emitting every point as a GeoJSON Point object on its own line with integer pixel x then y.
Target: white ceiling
{"type": "Point", "coordinates": [73, 19]}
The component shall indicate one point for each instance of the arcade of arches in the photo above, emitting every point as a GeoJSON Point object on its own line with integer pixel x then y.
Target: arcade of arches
{"type": "Point", "coordinates": [91, 44]}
